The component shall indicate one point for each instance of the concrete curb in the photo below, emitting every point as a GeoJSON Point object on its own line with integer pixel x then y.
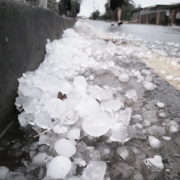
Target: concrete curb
{"type": "Point", "coordinates": [23, 34]}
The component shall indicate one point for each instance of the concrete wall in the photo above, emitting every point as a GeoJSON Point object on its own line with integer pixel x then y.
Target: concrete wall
{"type": "Point", "coordinates": [23, 34]}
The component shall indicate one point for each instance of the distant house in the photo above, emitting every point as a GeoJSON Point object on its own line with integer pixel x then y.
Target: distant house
{"type": "Point", "coordinates": [174, 17]}
{"type": "Point", "coordinates": [157, 14]}
{"type": "Point", "coordinates": [135, 15]}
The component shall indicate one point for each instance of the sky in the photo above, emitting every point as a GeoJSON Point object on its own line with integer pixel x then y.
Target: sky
{"type": "Point", "coordinates": [88, 6]}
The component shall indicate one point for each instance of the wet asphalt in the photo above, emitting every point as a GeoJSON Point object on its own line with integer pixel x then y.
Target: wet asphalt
{"type": "Point", "coordinates": [142, 31]}
{"type": "Point", "coordinates": [165, 93]}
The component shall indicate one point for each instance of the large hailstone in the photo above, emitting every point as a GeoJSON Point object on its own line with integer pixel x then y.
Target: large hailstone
{"type": "Point", "coordinates": [43, 120]}
{"type": "Point", "coordinates": [95, 170]}
{"type": "Point", "coordinates": [125, 116]}
{"type": "Point", "coordinates": [172, 126]}
{"type": "Point", "coordinates": [154, 164]}
{"type": "Point", "coordinates": [69, 117]}
{"type": "Point", "coordinates": [73, 133]}
{"type": "Point", "coordinates": [3, 171]}
{"type": "Point", "coordinates": [87, 106]}
{"type": "Point", "coordinates": [148, 85]}
{"type": "Point", "coordinates": [97, 123]}
{"type": "Point", "coordinates": [80, 81]}
{"type": "Point", "coordinates": [95, 92]}
{"type": "Point", "coordinates": [160, 104]}
{"type": "Point", "coordinates": [124, 77]}
{"type": "Point", "coordinates": [23, 119]}
{"type": "Point", "coordinates": [123, 152]}
{"type": "Point", "coordinates": [131, 94]}
{"type": "Point", "coordinates": [58, 129]}
{"type": "Point", "coordinates": [55, 107]}
{"type": "Point", "coordinates": [59, 167]}
{"type": "Point", "coordinates": [119, 133]}
{"type": "Point", "coordinates": [154, 142]}
{"type": "Point", "coordinates": [65, 147]}
{"type": "Point", "coordinates": [66, 88]}
{"type": "Point", "coordinates": [40, 159]}
{"type": "Point", "coordinates": [112, 105]}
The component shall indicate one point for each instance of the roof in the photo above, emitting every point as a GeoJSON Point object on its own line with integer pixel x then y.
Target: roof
{"type": "Point", "coordinates": [137, 10]}
{"type": "Point", "coordinates": [174, 6]}
{"type": "Point", "coordinates": [157, 6]}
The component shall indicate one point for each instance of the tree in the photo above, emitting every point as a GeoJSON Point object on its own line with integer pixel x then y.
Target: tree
{"type": "Point", "coordinates": [127, 12]}
{"type": "Point", "coordinates": [95, 15]}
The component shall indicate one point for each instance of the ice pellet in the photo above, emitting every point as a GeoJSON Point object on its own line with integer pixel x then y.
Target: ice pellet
{"type": "Point", "coordinates": [59, 167]}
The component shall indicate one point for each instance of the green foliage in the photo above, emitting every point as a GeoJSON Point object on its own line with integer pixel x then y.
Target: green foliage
{"type": "Point", "coordinates": [127, 12]}
{"type": "Point", "coordinates": [95, 15]}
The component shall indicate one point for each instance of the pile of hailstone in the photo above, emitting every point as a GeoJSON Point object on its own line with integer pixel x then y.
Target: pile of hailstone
{"type": "Point", "coordinates": [82, 124]}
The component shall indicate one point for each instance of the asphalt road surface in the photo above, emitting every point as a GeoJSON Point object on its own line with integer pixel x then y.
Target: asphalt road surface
{"type": "Point", "coordinates": [145, 32]}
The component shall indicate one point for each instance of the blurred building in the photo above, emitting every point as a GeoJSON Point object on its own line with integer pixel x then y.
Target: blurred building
{"type": "Point", "coordinates": [157, 14]}
{"type": "Point", "coordinates": [174, 15]}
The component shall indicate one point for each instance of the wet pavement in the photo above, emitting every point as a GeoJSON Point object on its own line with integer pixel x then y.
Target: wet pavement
{"type": "Point", "coordinates": [165, 93]}
{"type": "Point", "coordinates": [145, 32]}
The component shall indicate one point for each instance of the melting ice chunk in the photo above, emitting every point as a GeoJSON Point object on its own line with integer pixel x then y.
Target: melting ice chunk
{"type": "Point", "coordinates": [65, 88]}
{"type": "Point", "coordinates": [154, 164]}
{"type": "Point", "coordinates": [46, 96]}
{"type": "Point", "coordinates": [112, 105]}
{"type": "Point", "coordinates": [96, 92]}
{"type": "Point", "coordinates": [80, 81]}
{"type": "Point", "coordinates": [59, 167]}
{"type": "Point", "coordinates": [131, 94]}
{"type": "Point", "coordinates": [30, 106]}
{"type": "Point", "coordinates": [69, 117]}
{"type": "Point", "coordinates": [40, 159]}
{"type": "Point", "coordinates": [125, 115]}
{"type": "Point", "coordinates": [23, 119]}
{"type": "Point", "coordinates": [160, 104]}
{"type": "Point", "coordinates": [148, 85]}
{"type": "Point", "coordinates": [97, 123]}
{"type": "Point", "coordinates": [3, 171]}
{"type": "Point", "coordinates": [156, 130]}
{"type": "Point", "coordinates": [43, 120]}
{"type": "Point", "coordinates": [87, 106]}
{"type": "Point", "coordinates": [95, 170]}
{"type": "Point", "coordinates": [167, 138]}
{"type": "Point", "coordinates": [55, 107]}
{"type": "Point", "coordinates": [154, 142]}
{"type": "Point", "coordinates": [91, 77]}
{"type": "Point", "coordinates": [73, 133]}
{"type": "Point", "coordinates": [65, 147]}
{"type": "Point", "coordinates": [73, 178]}
{"type": "Point", "coordinates": [123, 152]}
{"type": "Point", "coordinates": [170, 77]}
{"type": "Point", "coordinates": [124, 77]}
{"type": "Point", "coordinates": [138, 177]}
{"type": "Point", "coordinates": [172, 126]}
{"type": "Point", "coordinates": [120, 133]}
{"type": "Point", "coordinates": [60, 129]}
